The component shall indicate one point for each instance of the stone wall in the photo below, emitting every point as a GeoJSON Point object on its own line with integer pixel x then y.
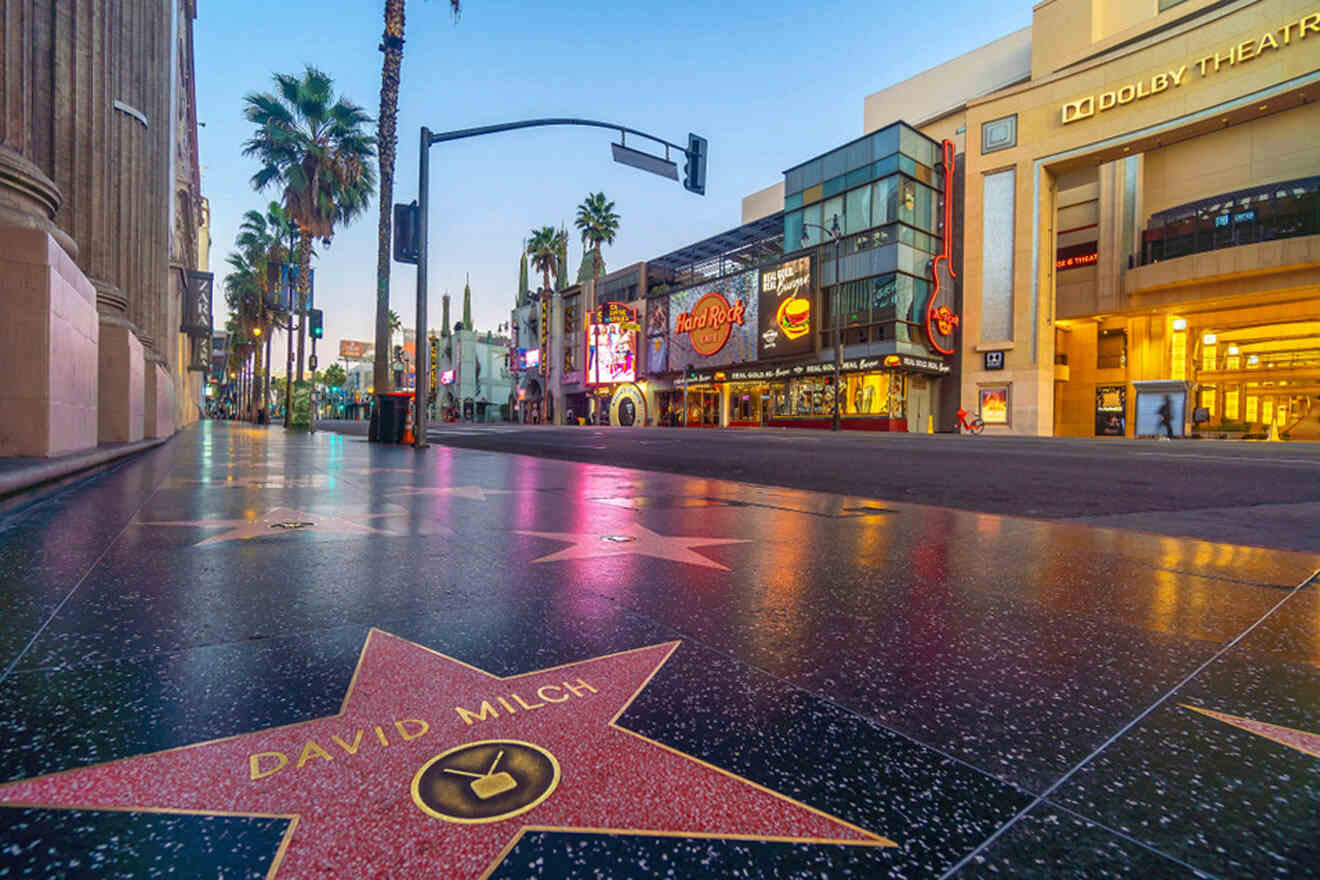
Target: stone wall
{"type": "Point", "coordinates": [49, 341]}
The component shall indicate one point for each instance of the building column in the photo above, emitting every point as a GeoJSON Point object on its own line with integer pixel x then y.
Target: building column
{"type": "Point", "coordinates": [48, 340]}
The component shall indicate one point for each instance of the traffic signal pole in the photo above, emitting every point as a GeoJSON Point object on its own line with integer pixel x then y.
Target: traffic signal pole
{"type": "Point", "coordinates": [423, 359]}
{"type": "Point", "coordinates": [311, 398]}
{"type": "Point", "coordinates": [694, 181]}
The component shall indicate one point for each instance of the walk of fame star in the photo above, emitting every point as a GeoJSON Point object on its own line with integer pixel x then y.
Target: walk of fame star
{"type": "Point", "coordinates": [1301, 740]}
{"type": "Point", "coordinates": [281, 520]}
{"type": "Point", "coordinates": [632, 539]}
{"type": "Point", "coordinates": [436, 768]}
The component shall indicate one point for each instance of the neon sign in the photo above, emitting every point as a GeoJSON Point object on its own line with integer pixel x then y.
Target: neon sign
{"type": "Point", "coordinates": [612, 344]}
{"type": "Point", "coordinates": [941, 320]}
{"type": "Point", "coordinates": [785, 313]}
{"type": "Point", "coordinates": [710, 322]}
{"type": "Point", "coordinates": [1077, 256]}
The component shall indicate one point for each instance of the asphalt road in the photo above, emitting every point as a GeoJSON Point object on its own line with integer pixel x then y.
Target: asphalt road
{"type": "Point", "coordinates": [1264, 494]}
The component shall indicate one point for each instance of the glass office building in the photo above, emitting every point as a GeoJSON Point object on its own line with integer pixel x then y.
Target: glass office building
{"type": "Point", "coordinates": [885, 193]}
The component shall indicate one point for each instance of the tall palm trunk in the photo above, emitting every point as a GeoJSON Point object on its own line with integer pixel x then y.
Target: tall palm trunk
{"type": "Point", "coordinates": [304, 287]}
{"type": "Point", "coordinates": [258, 388]}
{"type": "Point", "coordinates": [392, 45]}
{"type": "Point", "coordinates": [265, 381]}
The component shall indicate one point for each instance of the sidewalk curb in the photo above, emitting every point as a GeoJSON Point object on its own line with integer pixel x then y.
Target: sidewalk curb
{"type": "Point", "coordinates": [40, 473]}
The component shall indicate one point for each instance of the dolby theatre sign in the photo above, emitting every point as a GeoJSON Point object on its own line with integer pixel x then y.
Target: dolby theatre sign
{"type": "Point", "coordinates": [1207, 65]}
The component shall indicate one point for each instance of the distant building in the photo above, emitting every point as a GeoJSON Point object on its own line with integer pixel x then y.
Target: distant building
{"type": "Point", "coordinates": [480, 383]}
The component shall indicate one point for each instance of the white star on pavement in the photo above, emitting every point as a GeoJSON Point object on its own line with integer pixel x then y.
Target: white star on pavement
{"type": "Point", "coordinates": [282, 520]}
{"type": "Point", "coordinates": [472, 493]}
{"type": "Point", "coordinates": [632, 539]}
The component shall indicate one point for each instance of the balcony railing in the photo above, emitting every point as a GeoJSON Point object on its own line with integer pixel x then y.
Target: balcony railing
{"type": "Point", "coordinates": [1265, 213]}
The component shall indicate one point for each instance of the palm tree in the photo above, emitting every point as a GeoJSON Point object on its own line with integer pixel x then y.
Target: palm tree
{"type": "Point", "coordinates": [261, 239]}
{"type": "Point", "coordinates": [544, 249]}
{"type": "Point", "coordinates": [598, 223]}
{"type": "Point", "coordinates": [386, 138]}
{"type": "Point", "coordinates": [243, 286]}
{"type": "Point", "coordinates": [317, 149]}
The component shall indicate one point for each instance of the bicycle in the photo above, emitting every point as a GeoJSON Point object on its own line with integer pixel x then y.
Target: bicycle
{"type": "Point", "coordinates": [975, 426]}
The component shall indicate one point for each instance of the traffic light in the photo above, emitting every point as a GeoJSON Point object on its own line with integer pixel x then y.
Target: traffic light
{"type": "Point", "coordinates": [406, 246]}
{"type": "Point", "coordinates": [314, 319]}
{"type": "Point", "coordinates": [694, 169]}
{"type": "Point", "coordinates": [691, 372]}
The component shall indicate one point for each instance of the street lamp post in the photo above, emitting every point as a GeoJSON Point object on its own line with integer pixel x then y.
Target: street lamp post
{"type": "Point", "coordinates": [837, 236]}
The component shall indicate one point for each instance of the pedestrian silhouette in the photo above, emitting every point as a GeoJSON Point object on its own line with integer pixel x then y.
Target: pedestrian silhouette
{"type": "Point", "coordinates": [1166, 416]}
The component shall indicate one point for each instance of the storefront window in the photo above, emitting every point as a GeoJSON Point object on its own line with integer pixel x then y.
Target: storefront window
{"type": "Point", "coordinates": [833, 209]}
{"type": "Point", "coordinates": [885, 141]}
{"type": "Point", "coordinates": [810, 234]}
{"type": "Point", "coordinates": [916, 146]}
{"type": "Point", "coordinates": [1276, 211]}
{"type": "Point", "coordinates": [857, 217]}
{"type": "Point", "coordinates": [866, 394]}
{"type": "Point", "coordinates": [916, 204]}
{"type": "Point", "coordinates": [792, 230]}
{"type": "Point", "coordinates": [884, 201]}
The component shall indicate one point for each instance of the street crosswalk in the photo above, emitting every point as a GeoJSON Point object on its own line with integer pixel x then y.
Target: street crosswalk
{"type": "Point", "coordinates": [460, 430]}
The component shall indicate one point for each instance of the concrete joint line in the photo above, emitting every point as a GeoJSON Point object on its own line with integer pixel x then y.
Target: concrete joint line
{"type": "Point", "coordinates": [91, 568]}
{"type": "Point", "coordinates": [1062, 780]}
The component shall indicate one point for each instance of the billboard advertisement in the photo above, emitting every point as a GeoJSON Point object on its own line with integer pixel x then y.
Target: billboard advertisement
{"type": "Point", "coordinates": [715, 323]}
{"type": "Point", "coordinates": [354, 350]}
{"type": "Point", "coordinates": [612, 330]}
{"type": "Point", "coordinates": [787, 317]}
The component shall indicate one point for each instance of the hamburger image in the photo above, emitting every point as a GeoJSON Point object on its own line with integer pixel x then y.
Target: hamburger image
{"type": "Point", "coordinates": [794, 317]}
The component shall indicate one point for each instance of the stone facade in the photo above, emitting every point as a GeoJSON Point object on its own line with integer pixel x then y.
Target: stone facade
{"type": "Point", "coordinates": [86, 118]}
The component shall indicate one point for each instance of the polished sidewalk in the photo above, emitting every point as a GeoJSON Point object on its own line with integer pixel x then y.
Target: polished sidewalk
{"type": "Point", "coordinates": [248, 654]}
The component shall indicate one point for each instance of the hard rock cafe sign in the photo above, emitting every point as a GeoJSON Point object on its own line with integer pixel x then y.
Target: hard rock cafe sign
{"type": "Point", "coordinates": [710, 322]}
{"type": "Point", "coordinates": [941, 320]}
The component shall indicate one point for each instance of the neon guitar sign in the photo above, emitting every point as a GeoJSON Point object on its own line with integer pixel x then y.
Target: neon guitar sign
{"type": "Point", "coordinates": [941, 320]}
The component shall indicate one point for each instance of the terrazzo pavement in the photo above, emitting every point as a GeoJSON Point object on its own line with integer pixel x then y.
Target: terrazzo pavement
{"type": "Point", "coordinates": [823, 676]}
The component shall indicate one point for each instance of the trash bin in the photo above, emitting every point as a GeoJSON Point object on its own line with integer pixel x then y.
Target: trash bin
{"type": "Point", "coordinates": [389, 416]}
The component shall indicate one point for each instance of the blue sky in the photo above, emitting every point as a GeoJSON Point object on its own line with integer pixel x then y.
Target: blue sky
{"type": "Point", "coordinates": [768, 83]}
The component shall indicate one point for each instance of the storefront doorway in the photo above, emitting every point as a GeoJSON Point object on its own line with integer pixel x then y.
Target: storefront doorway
{"type": "Point", "coordinates": [748, 405]}
{"type": "Point", "coordinates": [703, 407]}
{"type": "Point", "coordinates": [919, 410]}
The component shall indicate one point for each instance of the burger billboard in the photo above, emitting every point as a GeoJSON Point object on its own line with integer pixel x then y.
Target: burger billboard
{"type": "Point", "coordinates": [787, 309]}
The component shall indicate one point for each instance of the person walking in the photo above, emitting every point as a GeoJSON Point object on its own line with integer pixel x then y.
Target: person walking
{"type": "Point", "coordinates": [1166, 417]}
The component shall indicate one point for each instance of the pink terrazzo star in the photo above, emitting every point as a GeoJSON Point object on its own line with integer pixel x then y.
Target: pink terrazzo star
{"type": "Point", "coordinates": [632, 539]}
{"type": "Point", "coordinates": [1301, 740]}
{"type": "Point", "coordinates": [349, 782]}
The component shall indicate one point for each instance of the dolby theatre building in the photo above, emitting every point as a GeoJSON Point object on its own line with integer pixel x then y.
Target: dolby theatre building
{"type": "Point", "coordinates": [1139, 216]}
